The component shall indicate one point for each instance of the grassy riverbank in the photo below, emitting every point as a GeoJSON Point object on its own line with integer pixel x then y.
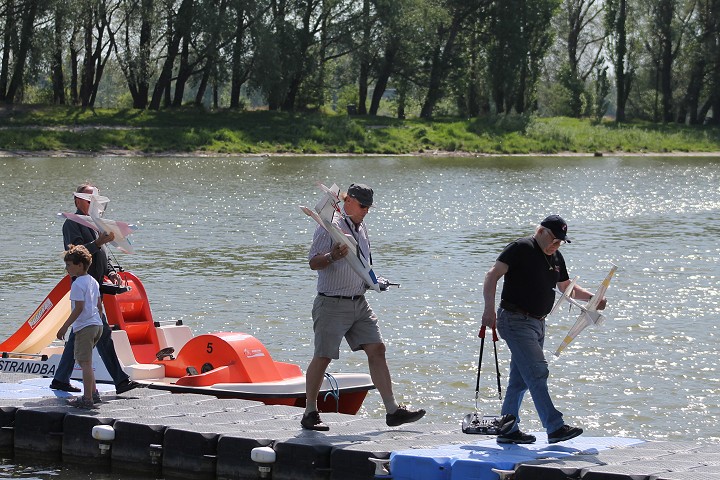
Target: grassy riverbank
{"type": "Point", "coordinates": [194, 131]}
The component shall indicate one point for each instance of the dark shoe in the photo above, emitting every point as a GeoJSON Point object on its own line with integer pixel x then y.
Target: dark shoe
{"type": "Point", "coordinates": [311, 421]}
{"type": "Point", "coordinates": [505, 423]}
{"type": "Point", "coordinates": [126, 386]}
{"type": "Point", "coordinates": [516, 437]}
{"type": "Point", "coordinates": [96, 397]}
{"type": "Point", "coordinates": [403, 415]}
{"type": "Point", "coordinates": [566, 432]}
{"type": "Point", "coordinates": [65, 387]}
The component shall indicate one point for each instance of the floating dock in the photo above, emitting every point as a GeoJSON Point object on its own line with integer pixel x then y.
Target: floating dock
{"type": "Point", "coordinates": [201, 437]}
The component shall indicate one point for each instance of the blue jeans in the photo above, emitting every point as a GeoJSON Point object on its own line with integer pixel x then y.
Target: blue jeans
{"type": "Point", "coordinates": [528, 368]}
{"type": "Point", "coordinates": [106, 349]}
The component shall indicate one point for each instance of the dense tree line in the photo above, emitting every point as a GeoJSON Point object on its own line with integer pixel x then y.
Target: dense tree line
{"type": "Point", "coordinates": [652, 59]}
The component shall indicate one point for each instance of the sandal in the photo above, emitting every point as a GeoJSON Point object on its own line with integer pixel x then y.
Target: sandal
{"type": "Point", "coordinates": [81, 402]}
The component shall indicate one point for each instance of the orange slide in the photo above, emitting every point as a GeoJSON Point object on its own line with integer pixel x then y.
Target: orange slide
{"type": "Point", "coordinates": [39, 330]}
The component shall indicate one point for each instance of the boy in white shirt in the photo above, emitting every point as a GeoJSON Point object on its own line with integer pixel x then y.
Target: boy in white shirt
{"type": "Point", "coordinates": [85, 318]}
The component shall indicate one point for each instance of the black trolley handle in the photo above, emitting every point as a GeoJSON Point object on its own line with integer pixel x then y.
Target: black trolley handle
{"type": "Point", "coordinates": [482, 347]}
{"type": "Point", "coordinates": [481, 334]}
{"type": "Point", "coordinates": [497, 365]}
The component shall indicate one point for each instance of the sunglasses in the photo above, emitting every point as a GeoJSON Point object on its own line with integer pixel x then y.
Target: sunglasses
{"type": "Point", "coordinates": [555, 240]}
{"type": "Point", "coordinates": [364, 207]}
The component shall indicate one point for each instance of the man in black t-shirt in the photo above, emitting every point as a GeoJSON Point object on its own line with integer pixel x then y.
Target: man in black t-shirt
{"type": "Point", "coordinates": [532, 267]}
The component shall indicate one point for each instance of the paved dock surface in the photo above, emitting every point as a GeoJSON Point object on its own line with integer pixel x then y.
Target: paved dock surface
{"type": "Point", "coordinates": [201, 437]}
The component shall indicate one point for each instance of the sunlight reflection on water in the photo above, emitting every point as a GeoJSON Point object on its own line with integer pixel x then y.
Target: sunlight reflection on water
{"type": "Point", "coordinates": [223, 246]}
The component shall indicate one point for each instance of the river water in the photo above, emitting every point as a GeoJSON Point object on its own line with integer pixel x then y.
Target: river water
{"type": "Point", "coordinates": [223, 246]}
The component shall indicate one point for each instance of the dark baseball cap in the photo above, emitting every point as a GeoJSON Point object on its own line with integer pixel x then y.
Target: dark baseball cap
{"type": "Point", "coordinates": [362, 193]}
{"type": "Point", "coordinates": [557, 226]}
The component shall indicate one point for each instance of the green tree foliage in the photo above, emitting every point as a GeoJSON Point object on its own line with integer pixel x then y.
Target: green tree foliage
{"type": "Point", "coordinates": [602, 90]}
{"type": "Point", "coordinates": [579, 49]}
{"type": "Point", "coordinates": [133, 46]}
{"type": "Point", "coordinates": [616, 25]}
{"type": "Point", "coordinates": [661, 58]}
{"type": "Point", "coordinates": [519, 39]}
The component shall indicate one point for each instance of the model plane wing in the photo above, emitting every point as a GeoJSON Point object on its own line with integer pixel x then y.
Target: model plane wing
{"type": "Point", "coordinates": [595, 300]}
{"type": "Point", "coordinates": [589, 315]}
{"type": "Point", "coordinates": [103, 225]}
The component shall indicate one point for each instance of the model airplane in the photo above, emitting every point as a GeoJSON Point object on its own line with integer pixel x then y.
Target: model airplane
{"type": "Point", "coordinates": [589, 314]}
{"type": "Point", "coordinates": [103, 225]}
{"type": "Point", "coordinates": [326, 208]}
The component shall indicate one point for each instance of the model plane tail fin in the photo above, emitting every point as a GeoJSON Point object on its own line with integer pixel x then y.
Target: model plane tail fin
{"type": "Point", "coordinates": [328, 204]}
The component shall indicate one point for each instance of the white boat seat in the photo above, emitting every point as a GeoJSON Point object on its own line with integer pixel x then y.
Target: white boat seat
{"type": "Point", "coordinates": [175, 336]}
{"type": "Point", "coordinates": [137, 371]}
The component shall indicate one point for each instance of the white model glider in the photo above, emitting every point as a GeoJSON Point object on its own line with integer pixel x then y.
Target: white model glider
{"type": "Point", "coordinates": [589, 314]}
{"type": "Point", "coordinates": [323, 215]}
{"type": "Point", "coordinates": [103, 225]}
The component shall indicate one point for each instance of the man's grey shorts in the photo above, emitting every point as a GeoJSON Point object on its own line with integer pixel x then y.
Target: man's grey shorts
{"type": "Point", "coordinates": [335, 318]}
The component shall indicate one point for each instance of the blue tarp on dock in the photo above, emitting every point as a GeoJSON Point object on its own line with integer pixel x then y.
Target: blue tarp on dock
{"type": "Point", "coordinates": [475, 461]}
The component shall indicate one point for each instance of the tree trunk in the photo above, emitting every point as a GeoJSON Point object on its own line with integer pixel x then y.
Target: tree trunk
{"type": "Point", "coordinates": [433, 93]}
{"type": "Point", "coordinates": [522, 85]}
{"type": "Point", "coordinates": [16, 81]}
{"type": "Point", "coordinates": [666, 14]}
{"type": "Point", "coordinates": [620, 52]}
{"type": "Point", "coordinates": [239, 75]}
{"type": "Point", "coordinates": [402, 99]}
{"type": "Point", "coordinates": [140, 76]}
{"type": "Point", "coordinates": [162, 86]}
{"type": "Point", "coordinates": [364, 60]}
{"type": "Point", "coordinates": [439, 70]}
{"type": "Point", "coordinates": [102, 25]}
{"type": "Point", "coordinates": [473, 89]}
{"type": "Point", "coordinates": [386, 69]}
{"type": "Point", "coordinates": [289, 104]}
{"type": "Point", "coordinates": [183, 72]}
{"type": "Point", "coordinates": [702, 113]}
{"type": "Point", "coordinates": [58, 78]}
{"type": "Point", "coordinates": [203, 85]}
{"type": "Point", "coordinates": [575, 24]}
{"type": "Point", "coordinates": [691, 101]}
{"type": "Point", "coordinates": [88, 66]}
{"type": "Point", "coordinates": [99, 70]}
{"type": "Point", "coordinates": [74, 70]}
{"type": "Point", "coordinates": [9, 34]}
{"type": "Point", "coordinates": [304, 40]}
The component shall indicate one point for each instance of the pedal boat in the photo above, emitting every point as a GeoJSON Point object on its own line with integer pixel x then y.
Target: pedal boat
{"type": "Point", "coordinates": [169, 357]}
